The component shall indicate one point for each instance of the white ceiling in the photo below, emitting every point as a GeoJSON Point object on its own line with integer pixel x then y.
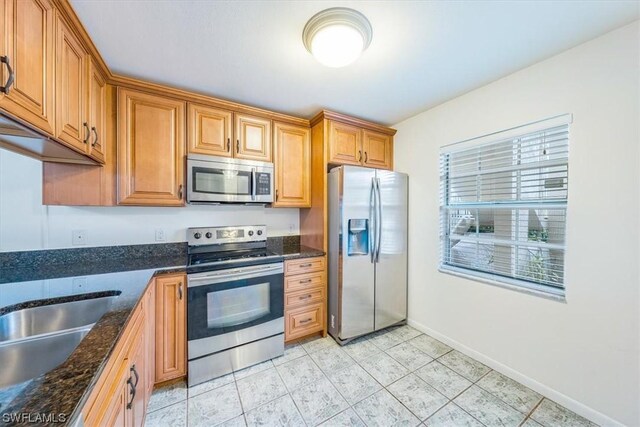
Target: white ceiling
{"type": "Point", "coordinates": [422, 54]}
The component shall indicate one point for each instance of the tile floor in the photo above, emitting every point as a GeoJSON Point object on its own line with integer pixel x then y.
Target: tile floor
{"type": "Point", "coordinates": [397, 377]}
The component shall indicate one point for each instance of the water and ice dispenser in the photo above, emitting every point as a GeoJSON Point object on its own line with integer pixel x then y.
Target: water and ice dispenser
{"type": "Point", "coordinates": [358, 241]}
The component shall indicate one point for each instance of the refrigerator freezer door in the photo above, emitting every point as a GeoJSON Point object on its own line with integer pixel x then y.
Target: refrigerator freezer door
{"type": "Point", "coordinates": [351, 276]}
{"type": "Point", "coordinates": [391, 268]}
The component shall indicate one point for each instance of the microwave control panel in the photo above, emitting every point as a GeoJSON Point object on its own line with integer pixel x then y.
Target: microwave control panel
{"type": "Point", "coordinates": [263, 183]}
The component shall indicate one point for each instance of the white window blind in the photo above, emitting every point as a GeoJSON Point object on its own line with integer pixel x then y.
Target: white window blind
{"type": "Point", "coordinates": [503, 206]}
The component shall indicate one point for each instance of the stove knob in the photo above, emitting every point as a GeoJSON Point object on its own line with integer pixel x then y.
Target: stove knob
{"type": "Point", "coordinates": [197, 235]}
{"type": "Point", "coordinates": [208, 235]}
{"type": "Point", "coordinates": [251, 233]}
{"type": "Point", "coordinates": [259, 232]}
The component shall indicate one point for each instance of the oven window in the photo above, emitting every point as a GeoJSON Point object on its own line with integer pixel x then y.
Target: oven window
{"type": "Point", "coordinates": [217, 181]}
{"type": "Point", "coordinates": [237, 306]}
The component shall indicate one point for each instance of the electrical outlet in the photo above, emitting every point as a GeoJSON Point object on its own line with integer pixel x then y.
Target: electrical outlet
{"type": "Point", "coordinates": [79, 237]}
{"type": "Point", "coordinates": [79, 284]}
{"type": "Point", "coordinates": [292, 228]}
{"type": "Point", "coordinates": [159, 235]}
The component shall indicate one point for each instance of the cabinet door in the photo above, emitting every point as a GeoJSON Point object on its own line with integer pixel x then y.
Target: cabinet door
{"type": "Point", "coordinates": [253, 138]}
{"type": "Point", "coordinates": [209, 131]}
{"type": "Point", "coordinates": [71, 91]}
{"type": "Point", "coordinates": [171, 339]}
{"type": "Point", "coordinates": [150, 337]}
{"type": "Point", "coordinates": [151, 141]}
{"type": "Point", "coordinates": [345, 144]}
{"type": "Point", "coordinates": [378, 150]}
{"type": "Point", "coordinates": [137, 371]}
{"type": "Point", "coordinates": [28, 43]}
{"type": "Point", "coordinates": [292, 147]}
{"type": "Point", "coordinates": [97, 113]}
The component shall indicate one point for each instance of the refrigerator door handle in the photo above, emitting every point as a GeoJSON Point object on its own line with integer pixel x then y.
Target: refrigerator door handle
{"type": "Point", "coordinates": [378, 220]}
{"type": "Point", "coordinates": [372, 221]}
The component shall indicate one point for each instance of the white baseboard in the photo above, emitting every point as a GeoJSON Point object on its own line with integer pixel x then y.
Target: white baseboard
{"type": "Point", "coordinates": [562, 399]}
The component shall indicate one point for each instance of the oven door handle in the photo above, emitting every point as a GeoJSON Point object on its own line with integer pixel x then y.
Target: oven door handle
{"type": "Point", "coordinates": [211, 278]}
{"type": "Point", "coordinates": [253, 184]}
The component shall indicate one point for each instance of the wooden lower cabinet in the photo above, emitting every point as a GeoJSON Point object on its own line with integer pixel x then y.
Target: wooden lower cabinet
{"type": "Point", "coordinates": [171, 327]}
{"type": "Point", "coordinates": [305, 296]}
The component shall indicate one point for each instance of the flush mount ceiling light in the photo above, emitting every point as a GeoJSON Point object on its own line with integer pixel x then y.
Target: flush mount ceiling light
{"type": "Point", "coordinates": [336, 37]}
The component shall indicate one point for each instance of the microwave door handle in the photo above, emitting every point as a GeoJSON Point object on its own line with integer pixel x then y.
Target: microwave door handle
{"type": "Point", "coordinates": [253, 183]}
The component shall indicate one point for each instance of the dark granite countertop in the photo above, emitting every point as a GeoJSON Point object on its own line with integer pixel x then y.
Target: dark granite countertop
{"type": "Point", "coordinates": [64, 390]}
{"type": "Point", "coordinates": [290, 248]}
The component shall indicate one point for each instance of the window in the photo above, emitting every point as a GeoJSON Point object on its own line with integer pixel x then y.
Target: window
{"type": "Point", "coordinates": [503, 206]}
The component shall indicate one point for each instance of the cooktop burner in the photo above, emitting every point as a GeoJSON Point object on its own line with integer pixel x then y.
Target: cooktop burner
{"type": "Point", "coordinates": [213, 257]}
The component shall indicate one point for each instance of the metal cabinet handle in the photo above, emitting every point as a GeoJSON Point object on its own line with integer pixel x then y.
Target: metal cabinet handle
{"type": "Point", "coordinates": [133, 393]}
{"type": "Point", "coordinates": [365, 157]}
{"type": "Point", "coordinates": [180, 291]}
{"type": "Point", "coordinates": [237, 145]}
{"type": "Point", "coordinates": [359, 155]}
{"type": "Point", "coordinates": [180, 191]}
{"type": "Point", "coordinates": [5, 89]}
{"type": "Point", "coordinates": [305, 265]}
{"type": "Point", "coordinates": [87, 132]}
{"type": "Point", "coordinates": [303, 297]}
{"type": "Point", "coordinates": [133, 369]}
{"type": "Point", "coordinates": [229, 145]}
{"type": "Point", "coordinates": [302, 322]}
{"type": "Point", "coordinates": [305, 281]}
{"type": "Point", "coordinates": [95, 133]}
{"type": "Point", "coordinates": [276, 194]}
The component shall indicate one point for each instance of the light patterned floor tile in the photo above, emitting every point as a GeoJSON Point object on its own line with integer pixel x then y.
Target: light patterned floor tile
{"type": "Point", "coordinates": [319, 401]}
{"type": "Point", "coordinates": [244, 373]}
{"type": "Point", "coordinates": [291, 351]}
{"type": "Point", "coordinates": [530, 423]}
{"type": "Point", "coordinates": [347, 418]}
{"type": "Point", "coordinates": [354, 383]}
{"type": "Point", "coordinates": [550, 414]}
{"type": "Point", "coordinates": [168, 395]}
{"type": "Point", "coordinates": [431, 346]}
{"type": "Point", "coordinates": [279, 412]}
{"type": "Point", "coordinates": [406, 332]}
{"type": "Point", "coordinates": [214, 407]}
{"type": "Point", "coordinates": [443, 379]}
{"type": "Point", "coordinates": [421, 399]}
{"type": "Point", "coordinates": [488, 409]}
{"type": "Point", "coordinates": [260, 388]}
{"type": "Point", "coordinates": [466, 366]}
{"type": "Point", "coordinates": [361, 349]}
{"type": "Point", "coordinates": [384, 368]}
{"type": "Point", "coordinates": [299, 372]}
{"type": "Point", "coordinates": [316, 343]}
{"type": "Point", "coordinates": [512, 392]}
{"type": "Point", "coordinates": [385, 339]}
{"type": "Point", "coordinates": [409, 356]}
{"type": "Point", "coordinates": [210, 385]}
{"type": "Point", "coordinates": [383, 410]}
{"type": "Point", "coordinates": [332, 359]}
{"type": "Point", "coordinates": [452, 416]}
{"type": "Point", "coordinates": [170, 416]}
{"type": "Point", "coordinates": [235, 422]}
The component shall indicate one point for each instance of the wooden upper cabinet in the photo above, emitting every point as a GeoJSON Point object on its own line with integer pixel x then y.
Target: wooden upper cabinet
{"type": "Point", "coordinates": [171, 324]}
{"type": "Point", "coordinates": [378, 150]}
{"type": "Point", "coordinates": [71, 89]}
{"type": "Point", "coordinates": [209, 131]}
{"type": "Point", "coordinates": [28, 44]}
{"type": "Point", "coordinates": [151, 146]}
{"type": "Point", "coordinates": [292, 147]}
{"type": "Point", "coordinates": [97, 114]}
{"type": "Point", "coordinates": [345, 144]}
{"type": "Point", "coordinates": [253, 138]}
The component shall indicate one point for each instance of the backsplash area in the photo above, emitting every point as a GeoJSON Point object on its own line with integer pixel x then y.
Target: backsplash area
{"type": "Point", "coordinates": [25, 224]}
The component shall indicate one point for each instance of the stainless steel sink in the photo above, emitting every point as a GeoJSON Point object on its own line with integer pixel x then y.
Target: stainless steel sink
{"type": "Point", "coordinates": [55, 317]}
{"type": "Point", "coordinates": [25, 359]}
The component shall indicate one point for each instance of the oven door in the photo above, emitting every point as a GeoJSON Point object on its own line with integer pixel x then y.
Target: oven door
{"type": "Point", "coordinates": [221, 180]}
{"type": "Point", "coordinates": [227, 308]}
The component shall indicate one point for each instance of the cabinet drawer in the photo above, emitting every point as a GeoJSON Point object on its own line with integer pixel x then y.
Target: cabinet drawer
{"type": "Point", "coordinates": [303, 321]}
{"type": "Point", "coordinates": [304, 297]}
{"type": "Point", "coordinates": [305, 281]}
{"type": "Point", "coordinates": [304, 265]}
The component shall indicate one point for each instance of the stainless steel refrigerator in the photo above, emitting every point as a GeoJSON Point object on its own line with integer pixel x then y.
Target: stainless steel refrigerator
{"type": "Point", "coordinates": [367, 250]}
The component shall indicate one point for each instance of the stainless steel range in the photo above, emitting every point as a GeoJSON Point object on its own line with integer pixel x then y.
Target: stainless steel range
{"type": "Point", "coordinates": [235, 304]}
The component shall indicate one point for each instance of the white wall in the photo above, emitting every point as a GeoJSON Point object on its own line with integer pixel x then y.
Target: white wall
{"type": "Point", "coordinates": [26, 225]}
{"type": "Point", "coordinates": [584, 352]}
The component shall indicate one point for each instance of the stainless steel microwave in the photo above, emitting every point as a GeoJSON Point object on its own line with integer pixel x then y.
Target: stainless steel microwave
{"type": "Point", "coordinates": [212, 179]}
